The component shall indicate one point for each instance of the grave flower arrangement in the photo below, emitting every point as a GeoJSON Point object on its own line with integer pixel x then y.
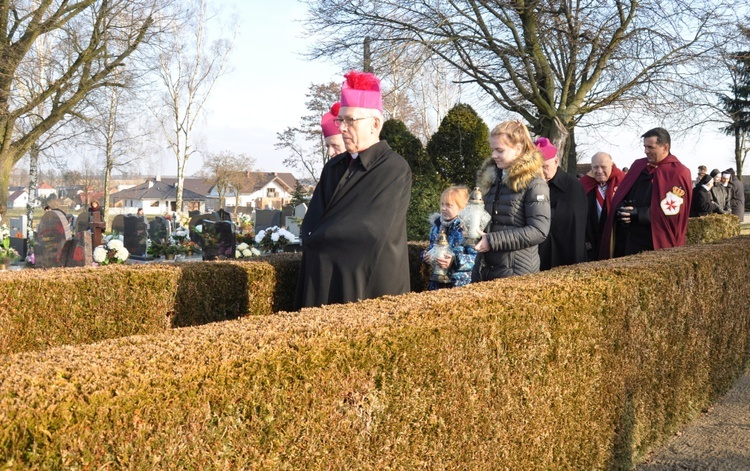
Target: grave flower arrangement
{"type": "Point", "coordinates": [111, 252]}
{"type": "Point", "coordinates": [273, 239]}
{"type": "Point", "coordinates": [7, 253]}
{"type": "Point", "coordinates": [245, 222]}
{"type": "Point", "coordinates": [246, 251]}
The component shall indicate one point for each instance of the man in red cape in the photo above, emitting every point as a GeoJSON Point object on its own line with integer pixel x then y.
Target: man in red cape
{"type": "Point", "coordinates": [652, 203]}
{"type": "Point", "coordinates": [600, 186]}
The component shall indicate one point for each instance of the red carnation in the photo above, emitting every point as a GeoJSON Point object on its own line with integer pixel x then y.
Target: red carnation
{"type": "Point", "coordinates": [362, 81]}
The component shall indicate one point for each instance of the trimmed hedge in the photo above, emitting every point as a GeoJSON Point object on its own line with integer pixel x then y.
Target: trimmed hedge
{"type": "Point", "coordinates": [44, 308]}
{"type": "Point", "coordinates": [712, 228]}
{"type": "Point", "coordinates": [582, 367]}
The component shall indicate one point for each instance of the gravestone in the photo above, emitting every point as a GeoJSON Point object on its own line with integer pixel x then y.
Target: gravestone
{"type": "Point", "coordinates": [53, 234]}
{"type": "Point", "coordinates": [159, 230]}
{"type": "Point", "coordinates": [20, 245]}
{"type": "Point", "coordinates": [118, 224]}
{"type": "Point", "coordinates": [294, 222]}
{"type": "Point", "coordinates": [97, 226]}
{"type": "Point", "coordinates": [265, 218]}
{"type": "Point", "coordinates": [219, 242]}
{"type": "Point", "coordinates": [82, 222]}
{"type": "Point", "coordinates": [18, 226]}
{"type": "Point", "coordinates": [79, 252]}
{"type": "Point", "coordinates": [300, 210]}
{"type": "Point", "coordinates": [135, 236]}
{"type": "Point", "coordinates": [287, 212]}
{"type": "Point", "coordinates": [197, 220]}
{"type": "Point", "coordinates": [223, 215]}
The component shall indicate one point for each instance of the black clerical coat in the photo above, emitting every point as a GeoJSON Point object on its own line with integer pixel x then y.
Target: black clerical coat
{"type": "Point", "coordinates": [565, 244]}
{"type": "Point", "coordinates": [354, 232]}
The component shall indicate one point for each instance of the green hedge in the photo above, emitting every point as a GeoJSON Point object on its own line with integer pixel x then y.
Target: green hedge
{"type": "Point", "coordinates": [582, 367]}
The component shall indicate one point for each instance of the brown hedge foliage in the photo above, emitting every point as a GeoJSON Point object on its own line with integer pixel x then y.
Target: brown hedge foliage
{"type": "Point", "coordinates": [711, 228]}
{"type": "Point", "coordinates": [583, 367]}
{"type": "Point", "coordinates": [43, 308]}
{"type": "Point", "coordinates": [218, 291]}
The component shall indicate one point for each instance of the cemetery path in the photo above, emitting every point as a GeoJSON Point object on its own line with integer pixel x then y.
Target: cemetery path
{"type": "Point", "coordinates": [717, 440]}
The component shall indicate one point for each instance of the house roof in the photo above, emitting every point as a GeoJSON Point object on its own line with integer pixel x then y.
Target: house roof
{"type": "Point", "coordinates": [156, 190]}
{"type": "Point", "coordinates": [16, 194]}
{"type": "Point", "coordinates": [261, 179]}
{"type": "Point", "coordinates": [195, 185]}
{"type": "Point", "coordinates": [45, 186]}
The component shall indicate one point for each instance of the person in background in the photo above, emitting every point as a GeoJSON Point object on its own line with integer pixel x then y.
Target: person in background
{"type": "Point", "coordinates": [452, 201]}
{"type": "Point", "coordinates": [517, 198]}
{"type": "Point", "coordinates": [331, 134]}
{"type": "Point", "coordinates": [600, 185]}
{"type": "Point", "coordinates": [737, 201]}
{"type": "Point", "coordinates": [652, 203]}
{"type": "Point", "coordinates": [703, 203]}
{"type": "Point", "coordinates": [566, 242]}
{"type": "Point", "coordinates": [47, 208]}
{"type": "Point", "coordinates": [702, 170]}
{"type": "Point", "coordinates": [720, 196]}
{"type": "Point", "coordinates": [139, 212]}
{"type": "Point", "coordinates": [354, 232]}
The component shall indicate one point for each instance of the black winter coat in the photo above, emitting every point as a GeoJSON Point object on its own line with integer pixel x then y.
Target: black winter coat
{"type": "Point", "coordinates": [566, 242]}
{"type": "Point", "coordinates": [520, 222]}
{"type": "Point", "coordinates": [354, 236]}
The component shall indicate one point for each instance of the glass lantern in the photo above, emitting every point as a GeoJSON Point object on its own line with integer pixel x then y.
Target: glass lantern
{"type": "Point", "coordinates": [441, 249]}
{"type": "Point", "coordinates": [474, 218]}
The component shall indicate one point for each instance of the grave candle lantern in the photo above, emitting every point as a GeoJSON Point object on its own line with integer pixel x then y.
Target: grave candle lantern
{"type": "Point", "coordinates": [474, 218]}
{"type": "Point", "coordinates": [441, 249]}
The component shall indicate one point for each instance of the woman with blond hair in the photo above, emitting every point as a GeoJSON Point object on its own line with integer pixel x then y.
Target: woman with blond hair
{"type": "Point", "coordinates": [517, 197]}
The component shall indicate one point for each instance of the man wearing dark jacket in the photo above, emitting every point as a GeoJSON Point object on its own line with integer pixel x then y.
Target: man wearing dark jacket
{"type": "Point", "coordinates": [737, 194]}
{"type": "Point", "coordinates": [354, 233]}
{"type": "Point", "coordinates": [600, 186]}
{"type": "Point", "coordinates": [652, 205]}
{"type": "Point", "coordinates": [565, 243]}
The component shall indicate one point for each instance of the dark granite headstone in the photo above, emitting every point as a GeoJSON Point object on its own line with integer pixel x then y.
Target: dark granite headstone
{"type": "Point", "coordinates": [223, 215]}
{"type": "Point", "coordinates": [118, 224]}
{"type": "Point", "coordinates": [218, 240]}
{"type": "Point", "coordinates": [20, 245]}
{"type": "Point", "coordinates": [135, 236]}
{"type": "Point", "coordinates": [197, 220]}
{"type": "Point", "coordinates": [53, 233]}
{"type": "Point", "coordinates": [159, 230]}
{"type": "Point", "coordinates": [79, 252]}
{"type": "Point", "coordinates": [82, 222]}
{"type": "Point", "coordinates": [265, 218]}
{"type": "Point", "coordinates": [287, 212]}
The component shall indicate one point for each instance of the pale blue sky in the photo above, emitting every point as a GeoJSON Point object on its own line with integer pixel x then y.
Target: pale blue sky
{"type": "Point", "coordinates": [265, 92]}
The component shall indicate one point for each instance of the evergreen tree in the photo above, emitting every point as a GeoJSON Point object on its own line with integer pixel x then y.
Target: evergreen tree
{"type": "Point", "coordinates": [737, 105]}
{"type": "Point", "coordinates": [460, 145]}
{"type": "Point", "coordinates": [426, 183]}
{"type": "Point", "coordinates": [298, 196]}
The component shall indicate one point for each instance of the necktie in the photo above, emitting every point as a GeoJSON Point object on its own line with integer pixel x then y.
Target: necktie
{"type": "Point", "coordinates": [600, 201]}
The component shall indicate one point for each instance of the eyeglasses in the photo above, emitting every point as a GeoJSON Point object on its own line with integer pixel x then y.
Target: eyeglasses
{"type": "Point", "coordinates": [348, 121]}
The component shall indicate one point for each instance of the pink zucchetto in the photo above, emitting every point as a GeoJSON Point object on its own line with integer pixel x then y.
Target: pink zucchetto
{"type": "Point", "coordinates": [361, 90]}
{"type": "Point", "coordinates": [326, 122]}
{"type": "Point", "coordinates": [546, 148]}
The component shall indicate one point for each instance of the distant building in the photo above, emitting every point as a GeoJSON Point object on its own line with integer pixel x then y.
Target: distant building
{"type": "Point", "coordinates": [18, 198]}
{"type": "Point", "coordinates": [157, 196]}
{"type": "Point", "coordinates": [261, 190]}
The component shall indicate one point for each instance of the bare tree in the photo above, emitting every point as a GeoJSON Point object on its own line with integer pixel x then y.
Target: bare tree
{"type": "Point", "coordinates": [551, 62]}
{"type": "Point", "coordinates": [222, 169]}
{"type": "Point", "coordinates": [189, 67]}
{"type": "Point", "coordinates": [90, 39]}
{"type": "Point", "coordinates": [307, 151]}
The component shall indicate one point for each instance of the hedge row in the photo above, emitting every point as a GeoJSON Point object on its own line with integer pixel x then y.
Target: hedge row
{"type": "Point", "coordinates": [44, 308]}
{"type": "Point", "coordinates": [583, 367]}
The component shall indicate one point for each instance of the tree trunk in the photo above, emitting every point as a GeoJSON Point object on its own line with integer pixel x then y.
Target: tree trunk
{"type": "Point", "coordinates": [33, 165]}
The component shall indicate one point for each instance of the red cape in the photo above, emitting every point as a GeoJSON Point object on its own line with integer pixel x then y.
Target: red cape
{"type": "Point", "coordinates": [666, 231]}
{"type": "Point", "coordinates": [615, 179]}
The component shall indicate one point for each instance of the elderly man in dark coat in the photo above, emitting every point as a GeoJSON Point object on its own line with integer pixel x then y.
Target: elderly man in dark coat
{"type": "Point", "coordinates": [354, 232]}
{"type": "Point", "coordinates": [565, 244]}
{"type": "Point", "coordinates": [600, 186]}
{"type": "Point", "coordinates": [737, 194]}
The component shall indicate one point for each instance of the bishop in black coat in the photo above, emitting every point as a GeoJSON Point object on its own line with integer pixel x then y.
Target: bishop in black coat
{"type": "Point", "coordinates": [354, 232]}
{"type": "Point", "coordinates": [565, 244]}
